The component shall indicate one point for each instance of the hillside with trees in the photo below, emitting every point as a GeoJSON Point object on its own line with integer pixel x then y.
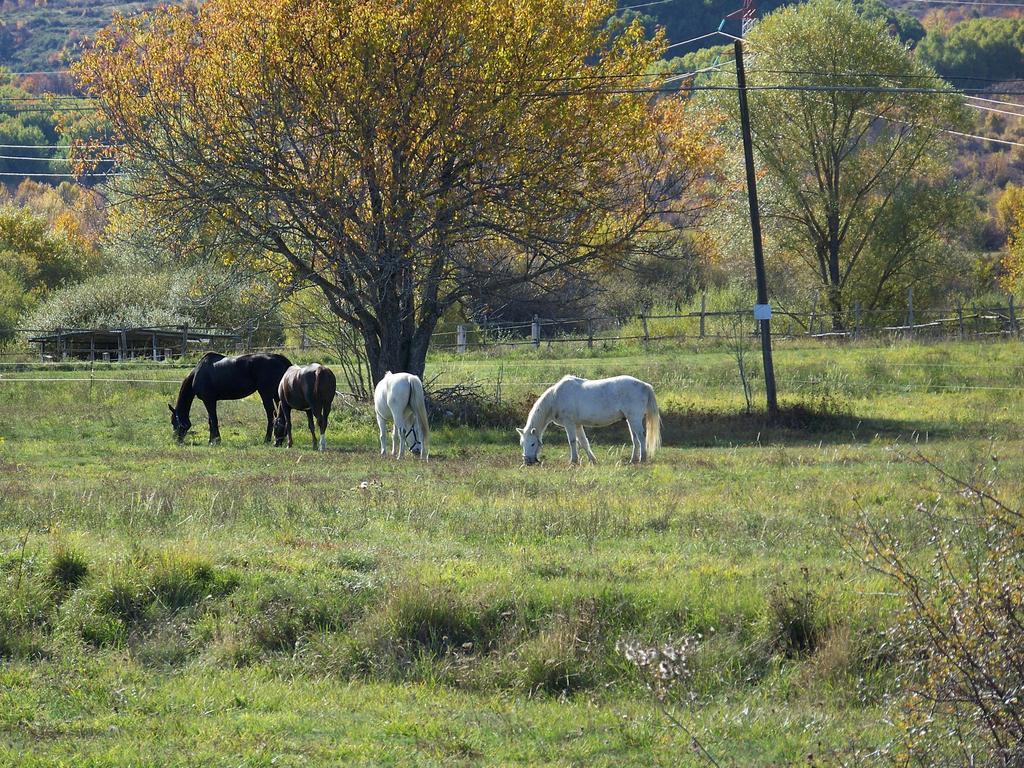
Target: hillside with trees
{"type": "Point", "coordinates": [42, 35]}
{"type": "Point", "coordinates": [968, 235]}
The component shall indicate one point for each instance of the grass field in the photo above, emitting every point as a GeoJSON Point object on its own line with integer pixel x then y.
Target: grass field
{"type": "Point", "coordinates": [241, 605]}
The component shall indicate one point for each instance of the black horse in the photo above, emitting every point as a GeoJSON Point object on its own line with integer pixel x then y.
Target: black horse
{"type": "Point", "coordinates": [217, 377]}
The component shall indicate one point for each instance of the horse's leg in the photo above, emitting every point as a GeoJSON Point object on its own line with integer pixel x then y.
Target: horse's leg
{"type": "Point", "coordinates": [288, 421]}
{"type": "Point", "coordinates": [312, 428]}
{"type": "Point", "coordinates": [570, 432]}
{"type": "Point", "coordinates": [581, 436]}
{"type": "Point", "coordinates": [637, 433]}
{"type": "Point", "coordinates": [211, 412]}
{"type": "Point", "coordinates": [632, 441]}
{"type": "Point", "coordinates": [399, 434]}
{"type": "Point", "coordinates": [269, 405]}
{"type": "Point", "coordinates": [325, 411]}
{"type": "Point", "coordinates": [382, 426]}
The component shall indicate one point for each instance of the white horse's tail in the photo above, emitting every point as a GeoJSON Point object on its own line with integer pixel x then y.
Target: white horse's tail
{"type": "Point", "coordinates": [652, 423]}
{"type": "Point", "coordinates": [418, 403]}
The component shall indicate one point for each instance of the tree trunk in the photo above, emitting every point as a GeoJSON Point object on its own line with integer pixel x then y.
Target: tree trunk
{"type": "Point", "coordinates": [397, 350]}
{"type": "Point", "coordinates": [835, 304]}
{"type": "Point", "coordinates": [835, 280]}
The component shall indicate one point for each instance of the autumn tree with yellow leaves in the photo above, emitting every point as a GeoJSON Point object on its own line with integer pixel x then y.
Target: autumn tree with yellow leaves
{"type": "Point", "coordinates": [399, 155]}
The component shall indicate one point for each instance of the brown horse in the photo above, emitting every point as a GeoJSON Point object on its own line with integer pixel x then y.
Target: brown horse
{"type": "Point", "coordinates": [309, 388]}
{"type": "Point", "coordinates": [217, 377]}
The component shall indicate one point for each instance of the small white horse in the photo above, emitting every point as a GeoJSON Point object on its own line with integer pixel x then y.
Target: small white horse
{"type": "Point", "coordinates": [574, 403]}
{"type": "Point", "coordinates": [400, 397]}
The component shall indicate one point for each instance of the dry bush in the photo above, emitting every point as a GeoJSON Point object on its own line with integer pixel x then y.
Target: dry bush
{"type": "Point", "coordinates": [960, 636]}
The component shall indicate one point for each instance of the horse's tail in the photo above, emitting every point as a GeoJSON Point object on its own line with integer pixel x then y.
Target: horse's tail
{"type": "Point", "coordinates": [418, 402]}
{"type": "Point", "coordinates": [652, 423]}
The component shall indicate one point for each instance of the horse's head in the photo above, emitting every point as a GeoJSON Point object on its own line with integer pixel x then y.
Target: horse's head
{"type": "Point", "coordinates": [180, 424]}
{"type": "Point", "coordinates": [280, 425]}
{"type": "Point", "coordinates": [412, 440]}
{"type": "Point", "coordinates": [531, 445]}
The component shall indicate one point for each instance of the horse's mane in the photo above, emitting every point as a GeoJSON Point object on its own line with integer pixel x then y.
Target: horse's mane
{"type": "Point", "coordinates": [542, 402]}
{"type": "Point", "coordinates": [185, 392]}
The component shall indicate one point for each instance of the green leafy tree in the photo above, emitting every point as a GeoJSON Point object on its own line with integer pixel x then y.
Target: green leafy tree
{"type": "Point", "coordinates": [34, 259]}
{"type": "Point", "coordinates": [984, 47]}
{"type": "Point", "coordinates": [899, 23]}
{"type": "Point", "coordinates": [1010, 217]}
{"type": "Point", "coordinates": [856, 189]}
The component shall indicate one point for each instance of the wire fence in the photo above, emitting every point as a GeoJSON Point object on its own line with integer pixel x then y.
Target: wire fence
{"type": "Point", "coordinates": [962, 321]}
{"type": "Point", "coordinates": [167, 344]}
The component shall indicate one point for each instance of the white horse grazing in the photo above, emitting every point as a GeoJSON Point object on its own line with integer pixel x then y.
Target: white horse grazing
{"type": "Point", "coordinates": [400, 397]}
{"type": "Point", "coordinates": [574, 403]}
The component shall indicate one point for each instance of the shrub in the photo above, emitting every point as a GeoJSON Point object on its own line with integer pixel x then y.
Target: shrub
{"type": "Point", "coordinates": [157, 297]}
{"type": "Point", "coordinates": [960, 634]}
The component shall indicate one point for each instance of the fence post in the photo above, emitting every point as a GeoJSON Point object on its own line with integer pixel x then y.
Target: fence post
{"type": "Point", "coordinates": [248, 337]}
{"type": "Point", "coordinates": [814, 315]}
{"type": "Point", "coordinates": [460, 339]}
{"type": "Point", "coordinates": [184, 340]}
{"type": "Point", "coordinates": [703, 300]}
{"type": "Point", "coordinates": [302, 337]}
{"type": "Point", "coordinates": [960, 318]}
{"type": "Point", "coordinates": [122, 345]}
{"type": "Point", "coordinates": [535, 332]}
{"type": "Point", "coordinates": [483, 330]}
{"type": "Point", "coordinates": [156, 355]}
{"type": "Point", "coordinates": [643, 324]}
{"type": "Point", "coordinates": [106, 357]}
{"type": "Point", "coordinates": [1013, 318]}
{"type": "Point", "coordinates": [856, 320]}
{"type": "Point", "coordinates": [977, 319]}
{"type": "Point", "coordinates": [910, 312]}
{"type": "Point", "coordinates": [590, 333]}
{"type": "Point", "coordinates": [92, 347]}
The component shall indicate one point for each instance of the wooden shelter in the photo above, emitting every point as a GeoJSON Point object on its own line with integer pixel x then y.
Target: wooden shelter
{"type": "Point", "coordinates": [128, 343]}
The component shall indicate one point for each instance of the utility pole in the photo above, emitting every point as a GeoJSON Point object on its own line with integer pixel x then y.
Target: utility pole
{"type": "Point", "coordinates": [763, 310]}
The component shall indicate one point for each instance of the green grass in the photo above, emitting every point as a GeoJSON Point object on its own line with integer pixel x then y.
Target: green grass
{"type": "Point", "coordinates": [241, 605]}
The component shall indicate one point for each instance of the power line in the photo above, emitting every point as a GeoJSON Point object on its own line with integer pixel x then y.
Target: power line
{"type": "Point", "coordinates": [38, 72]}
{"type": "Point", "coordinates": [65, 175]}
{"type": "Point", "coordinates": [980, 138]}
{"type": "Point", "coordinates": [713, 68]}
{"type": "Point", "coordinates": [993, 109]}
{"type": "Point", "coordinates": [716, 33]}
{"type": "Point", "coordinates": [47, 97]}
{"type": "Point", "coordinates": [39, 159]}
{"type": "Point", "coordinates": [996, 101]}
{"type": "Point", "coordinates": [57, 146]}
{"type": "Point", "coordinates": [645, 5]}
{"type": "Point", "coordinates": [950, 131]}
{"type": "Point", "coordinates": [900, 75]}
{"type": "Point", "coordinates": [967, 2]}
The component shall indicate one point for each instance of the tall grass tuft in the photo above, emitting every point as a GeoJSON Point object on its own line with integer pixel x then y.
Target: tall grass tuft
{"type": "Point", "coordinates": [555, 662]}
{"type": "Point", "coordinates": [68, 569]}
{"type": "Point", "coordinates": [797, 620]}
